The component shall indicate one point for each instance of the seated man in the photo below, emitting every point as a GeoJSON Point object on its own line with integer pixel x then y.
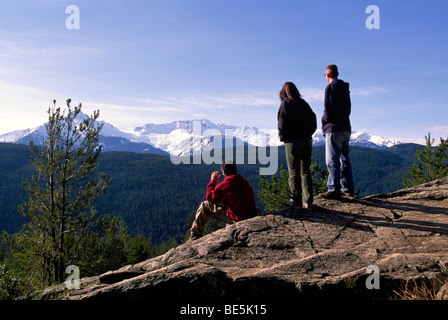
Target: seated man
{"type": "Point", "coordinates": [230, 201]}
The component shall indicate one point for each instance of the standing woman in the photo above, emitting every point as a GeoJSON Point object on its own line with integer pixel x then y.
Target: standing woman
{"type": "Point", "coordinates": [296, 124]}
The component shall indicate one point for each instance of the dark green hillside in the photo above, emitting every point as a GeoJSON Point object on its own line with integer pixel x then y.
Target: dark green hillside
{"type": "Point", "coordinates": [155, 196]}
{"type": "Point", "coordinates": [405, 151]}
{"type": "Point", "coordinates": [376, 171]}
{"type": "Point", "coordinates": [14, 169]}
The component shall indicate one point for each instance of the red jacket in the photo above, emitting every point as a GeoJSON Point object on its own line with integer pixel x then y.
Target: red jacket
{"type": "Point", "coordinates": [236, 194]}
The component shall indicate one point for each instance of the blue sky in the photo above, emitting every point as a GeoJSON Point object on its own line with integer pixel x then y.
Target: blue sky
{"type": "Point", "coordinates": [152, 61]}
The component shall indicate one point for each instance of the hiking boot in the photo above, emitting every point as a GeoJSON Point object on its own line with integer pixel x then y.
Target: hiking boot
{"type": "Point", "coordinates": [331, 194]}
{"type": "Point", "coordinates": [306, 205]}
{"type": "Point", "coordinates": [349, 193]}
{"type": "Point", "coordinates": [292, 204]}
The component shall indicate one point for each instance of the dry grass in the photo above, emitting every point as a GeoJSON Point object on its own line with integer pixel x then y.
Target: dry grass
{"type": "Point", "coordinates": [419, 290]}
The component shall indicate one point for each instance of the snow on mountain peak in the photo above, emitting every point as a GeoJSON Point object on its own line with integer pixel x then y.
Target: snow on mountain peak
{"type": "Point", "coordinates": [194, 136]}
{"type": "Point", "coordinates": [364, 137]}
{"type": "Point", "coordinates": [181, 137]}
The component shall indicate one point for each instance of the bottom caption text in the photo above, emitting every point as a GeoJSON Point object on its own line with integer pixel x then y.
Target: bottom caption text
{"type": "Point", "coordinates": [227, 309]}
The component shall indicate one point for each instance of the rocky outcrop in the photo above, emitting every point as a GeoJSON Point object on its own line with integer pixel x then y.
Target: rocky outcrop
{"type": "Point", "coordinates": [327, 252]}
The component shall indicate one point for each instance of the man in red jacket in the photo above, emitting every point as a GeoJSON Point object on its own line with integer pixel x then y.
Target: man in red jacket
{"type": "Point", "coordinates": [230, 201]}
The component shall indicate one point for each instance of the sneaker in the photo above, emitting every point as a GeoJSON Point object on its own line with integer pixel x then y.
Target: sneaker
{"type": "Point", "coordinates": [292, 204]}
{"type": "Point", "coordinates": [331, 194]}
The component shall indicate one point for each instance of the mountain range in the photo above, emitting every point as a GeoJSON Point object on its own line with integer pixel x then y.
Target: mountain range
{"type": "Point", "coordinates": [144, 179]}
{"type": "Point", "coordinates": [190, 137]}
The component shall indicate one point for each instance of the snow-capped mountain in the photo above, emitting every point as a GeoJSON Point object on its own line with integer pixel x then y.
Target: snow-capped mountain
{"type": "Point", "coordinates": [360, 139]}
{"type": "Point", "coordinates": [111, 138]}
{"type": "Point", "coordinates": [190, 137]}
{"type": "Point", "coordinates": [365, 139]}
{"type": "Point", "coordinates": [194, 136]}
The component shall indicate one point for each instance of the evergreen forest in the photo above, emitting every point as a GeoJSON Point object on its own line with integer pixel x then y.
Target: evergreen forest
{"type": "Point", "coordinates": [155, 197]}
{"type": "Point", "coordinates": [150, 203]}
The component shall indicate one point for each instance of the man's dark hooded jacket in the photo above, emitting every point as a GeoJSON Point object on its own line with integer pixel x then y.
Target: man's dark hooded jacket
{"type": "Point", "coordinates": [337, 109]}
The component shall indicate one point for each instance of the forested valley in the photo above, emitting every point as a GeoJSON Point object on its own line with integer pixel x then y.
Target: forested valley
{"type": "Point", "coordinates": [155, 197]}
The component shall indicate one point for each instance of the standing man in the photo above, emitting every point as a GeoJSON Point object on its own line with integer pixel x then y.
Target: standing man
{"type": "Point", "coordinates": [337, 130]}
{"type": "Point", "coordinates": [230, 201]}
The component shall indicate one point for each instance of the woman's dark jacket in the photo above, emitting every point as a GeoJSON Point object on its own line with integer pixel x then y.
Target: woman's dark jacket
{"type": "Point", "coordinates": [296, 120]}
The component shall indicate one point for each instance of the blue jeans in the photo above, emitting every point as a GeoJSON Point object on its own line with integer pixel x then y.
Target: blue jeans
{"type": "Point", "coordinates": [340, 174]}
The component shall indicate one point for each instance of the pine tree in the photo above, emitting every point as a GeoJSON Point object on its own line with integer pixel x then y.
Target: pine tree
{"type": "Point", "coordinates": [274, 195]}
{"type": "Point", "coordinates": [432, 164]}
{"type": "Point", "coordinates": [319, 176]}
{"type": "Point", "coordinates": [140, 249]}
{"type": "Point", "coordinates": [62, 189]}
